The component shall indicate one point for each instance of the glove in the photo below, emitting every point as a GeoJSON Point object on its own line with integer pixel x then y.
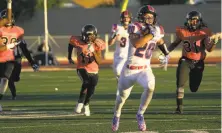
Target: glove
{"type": "Point", "coordinates": [35, 67]}
{"type": "Point", "coordinates": [164, 61]}
{"type": "Point", "coordinates": [215, 38]}
{"type": "Point", "coordinates": [12, 45]}
{"type": "Point", "coordinates": [71, 61]}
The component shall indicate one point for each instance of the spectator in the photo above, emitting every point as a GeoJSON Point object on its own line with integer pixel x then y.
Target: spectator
{"type": "Point", "coordinates": [42, 47]}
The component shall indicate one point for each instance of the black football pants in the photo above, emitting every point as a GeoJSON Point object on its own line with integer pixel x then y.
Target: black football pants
{"type": "Point", "coordinates": [189, 69]}
{"type": "Point", "coordinates": [89, 82]}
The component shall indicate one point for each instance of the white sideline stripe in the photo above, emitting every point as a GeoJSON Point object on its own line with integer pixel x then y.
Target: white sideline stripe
{"type": "Point", "coordinates": [25, 115]}
{"type": "Point", "coordinates": [28, 116]}
{"type": "Point", "coordinates": [142, 132]}
{"type": "Point", "coordinates": [82, 124]}
{"type": "Point", "coordinates": [195, 130]}
{"type": "Point", "coordinates": [45, 125]}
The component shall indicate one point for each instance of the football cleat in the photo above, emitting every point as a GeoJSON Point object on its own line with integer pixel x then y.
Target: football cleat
{"type": "Point", "coordinates": [179, 110]}
{"type": "Point", "coordinates": [115, 124]}
{"type": "Point", "coordinates": [13, 98]}
{"type": "Point", "coordinates": [78, 108]}
{"type": "Point", "coordinates": [87, 110]}
{"type": "Point", "coordinates": [141, 122]}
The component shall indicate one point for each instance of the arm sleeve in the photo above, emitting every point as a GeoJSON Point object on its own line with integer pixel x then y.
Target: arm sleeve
{"type": "Point", "coordinates": [163, 49]}
{"type": "Point", "coordinates": [70, 48]}
{"type": "Point", "coordinates": [74, 41]}
{"type": "Point", "coordinates": [176, 42]}
{"type": "Point", "coordinates": [26, 52]}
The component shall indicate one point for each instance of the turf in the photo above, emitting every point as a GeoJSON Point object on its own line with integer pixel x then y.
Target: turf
{"type": "Point", "coordinates": [39, 108]}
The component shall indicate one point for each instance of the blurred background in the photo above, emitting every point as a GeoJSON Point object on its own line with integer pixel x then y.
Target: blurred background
{"type": "Point", "coordinates": [67, 17]}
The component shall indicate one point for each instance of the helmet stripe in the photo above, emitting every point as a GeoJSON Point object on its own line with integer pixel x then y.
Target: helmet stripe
{"type": "Point", "coordinates": [138, 26]}
{"type": "Point", "coordinates": [150, 8]}
{"type": "Point", "coordinates": [126, 13]}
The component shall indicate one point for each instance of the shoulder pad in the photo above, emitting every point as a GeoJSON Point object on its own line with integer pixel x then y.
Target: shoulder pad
{"type": "Point", "coordinates": [207, 31]}
{"type": "Point", "coordinates": [75, 40]}
{"type": "Point", "coordinates": [20, 31]}
{"type": "Point", "coordinates": [179, 31]}
{"type": "Point", "coordinates": [161, 29]}
{"type": "Point", "coordinates": [114, 27]}
{"type": "Point", "coordinates": [138, 25]}
{"type": "Point", "coordinates": [134, 27]}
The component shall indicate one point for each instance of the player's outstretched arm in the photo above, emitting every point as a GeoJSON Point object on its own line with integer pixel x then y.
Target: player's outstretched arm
{"type": "Point", "coordinates": [26, 52]}
{"type": "Point", "coordinates": [112, 39]}
{"type": "Point", "coordinates": [210, 42]}
{"type": "Point", "coordinates": [174, 44]}
{"type": "Point", "coordinates": [163, 58]}
{"type": "Point", "coordinates": [162, 46]}
{"type": "Point", "coordinates": [70, 49]}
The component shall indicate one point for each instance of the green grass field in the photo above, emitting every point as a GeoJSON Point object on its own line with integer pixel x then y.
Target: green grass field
{"type": "Point", "coordinates": [41, 109]}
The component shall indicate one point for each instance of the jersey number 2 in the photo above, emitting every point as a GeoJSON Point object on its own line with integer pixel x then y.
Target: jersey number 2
{"type": "Point", "coordinates": [147, 53]}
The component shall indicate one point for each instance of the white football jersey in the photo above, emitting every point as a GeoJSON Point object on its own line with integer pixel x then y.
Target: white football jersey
{"type": "Point", "coordinates": [142, 56]}
{"type": "Point", "coordinates": [122, 42]}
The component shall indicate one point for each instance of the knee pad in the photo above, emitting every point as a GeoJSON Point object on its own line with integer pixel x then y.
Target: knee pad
{"type": "Point", "coordinates": [121, 99]}
{"type": "Point", "coordinates": [3, 85]}
{"type": "Point", "coordinates": [151, 86]}
{"type": "Point", "coordinates": [180, 92]}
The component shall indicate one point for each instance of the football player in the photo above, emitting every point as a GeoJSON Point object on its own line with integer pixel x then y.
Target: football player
{"type": "Point", "coordinates": [121, 36]}
{"type": "Point", "coordinates": [144, 35]}
{"type": "Point", "coordinates": [10, 58]}
{"type": "Point", "coordinates": [195, 38]}
{"type": "Point", "coordinates": [89, 55]}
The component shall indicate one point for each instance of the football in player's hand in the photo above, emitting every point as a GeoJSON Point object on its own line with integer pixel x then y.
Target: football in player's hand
{"type": "Point", "coordinates": [145, 31]}
{"type": "Point", "coordinates": [99, 43]}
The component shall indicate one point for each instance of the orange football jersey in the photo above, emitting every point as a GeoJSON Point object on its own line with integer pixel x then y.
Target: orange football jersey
{"type": "Point", "coordinates": [193, 47]}
{"type": "Point", "coordinates": [83, 61]}
{"type": "Point", "coordinates": [9, 35]}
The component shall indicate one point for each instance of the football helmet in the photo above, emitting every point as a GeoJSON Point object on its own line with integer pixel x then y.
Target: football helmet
{"type": "Point", "coordinates": [89, 33]}
{"type": "Point", "coordinates": [3, 15]}
{"type": "Point", "coordinates": [143, 11]}
{"type": "Point", "coordinates": [124, 15]}
{"type": "Point", "coordinates": [193, 20]}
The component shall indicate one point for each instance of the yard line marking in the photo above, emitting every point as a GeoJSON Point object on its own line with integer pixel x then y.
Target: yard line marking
{"type": "Point", "coordinates": [211, 118]}
{"type": "Point", "coordinates": [210, 89]}
{"type": "Point", "coordinates": [195, 130]}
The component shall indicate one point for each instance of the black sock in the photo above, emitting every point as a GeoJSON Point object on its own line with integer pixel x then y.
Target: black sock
{"type": "Point", "coordinates": [89, 95]}
{"type": "Point", "coordinates": [82, 95]}
{"type": "Point", "coordinates": [179, 102]}
{"type": "Point", "coordinates": [12, 88]}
